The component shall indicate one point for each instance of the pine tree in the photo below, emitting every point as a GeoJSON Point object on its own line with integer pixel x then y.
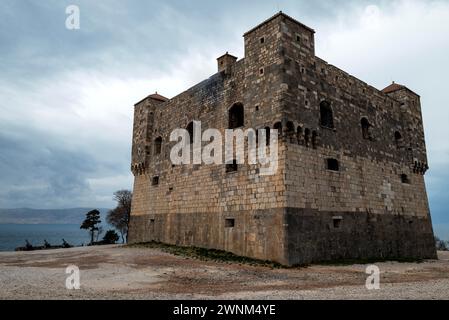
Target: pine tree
{"type": "Point", "coordinates": [91, 222]}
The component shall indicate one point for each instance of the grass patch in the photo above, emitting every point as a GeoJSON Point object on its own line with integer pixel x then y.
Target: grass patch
{"type": "Point", "coordinates": [228, 257]}
{"type": "Point", "coordinates": [347, 262]}
{"type": "Point", "coordinates": [206, 254]}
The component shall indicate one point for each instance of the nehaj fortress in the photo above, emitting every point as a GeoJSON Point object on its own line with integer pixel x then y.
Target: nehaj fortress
{"type": "Point", "coordinates": [351, 160]}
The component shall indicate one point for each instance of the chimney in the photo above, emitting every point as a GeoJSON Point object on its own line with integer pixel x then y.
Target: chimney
{"type": "Point", "coordinates": [225, 61]}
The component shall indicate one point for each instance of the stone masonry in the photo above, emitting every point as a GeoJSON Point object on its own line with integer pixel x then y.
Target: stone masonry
{"type": "Point", "coordinates": [352, 159]}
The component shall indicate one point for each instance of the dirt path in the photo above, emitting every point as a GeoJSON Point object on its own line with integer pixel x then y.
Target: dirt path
{"type": "Point", "coordinates": [114, 272]}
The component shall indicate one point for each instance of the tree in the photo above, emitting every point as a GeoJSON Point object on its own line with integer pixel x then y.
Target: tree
{"type": "Point", "coordinates": [65, 244]}
{"type": "Point", "coordinates": [90, 223]}
{"type": "Point", "coordinates": [110, 237]}
{"type": "Point", "coordinates": [119, 217]}
{"type": "Point", "coordinates": [47, 245]}
{"type": "Point", "coordinates": [98, 233]}
{"type": "Point", "coordinates": [28, 245]}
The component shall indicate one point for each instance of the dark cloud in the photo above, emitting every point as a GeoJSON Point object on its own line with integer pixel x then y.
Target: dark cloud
{"type": "Point", "coordinates": [42, 174]}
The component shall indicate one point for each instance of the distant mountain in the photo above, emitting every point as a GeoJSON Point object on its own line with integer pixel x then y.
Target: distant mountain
{"type": "Point", "coordinates": [47, 216]}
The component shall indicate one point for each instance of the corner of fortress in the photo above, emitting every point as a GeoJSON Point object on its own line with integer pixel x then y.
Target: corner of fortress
{"type": "Point", "coordinates": [351, 160]}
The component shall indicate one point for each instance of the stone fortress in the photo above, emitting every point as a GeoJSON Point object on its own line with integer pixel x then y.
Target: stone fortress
{"type": "Point", "coordinates": [352, 159]}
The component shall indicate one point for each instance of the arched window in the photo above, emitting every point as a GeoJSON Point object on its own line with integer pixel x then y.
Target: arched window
{"type": "Point", "coordinates": [299, 134]}
{"type": "Point", "coordinates": [314, 139]}
{"type": "Point", "coordinates": [398, 139]}
{"type": "Point", "coordinates": [326, 115]}
{"type": "Point", "coordinates": [236, 116]}
{"type": "Point", "coordinates": [307, 137]}
{"type": "Point", "coordinates": [158, 145]}
{"type": "Point", "coordinates": [365, 128]}
{"type": "Point", "coordinates": [190, 131]}
{"type": "Point", "coordinates": [278, 126]}
{"type": "Point", "coordinates": [290, 131]}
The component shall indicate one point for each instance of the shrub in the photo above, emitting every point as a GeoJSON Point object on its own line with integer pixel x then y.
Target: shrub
{"type": "Point", "coordinates": [110, 237]}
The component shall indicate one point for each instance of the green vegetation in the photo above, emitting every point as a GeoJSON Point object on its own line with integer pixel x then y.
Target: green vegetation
{"type": "Point", "coordinates": [111, 237]}
{"type": "Point", "coordinates": [348, 262]}
{"type": "Point", "coordinates": [206, 254]}
{"type": "Point", "coordinates": [91, 222]}
{"type": "Point", "coordinates": [227, 257]}
{"type": "Point", "coordinates": [29, 247]}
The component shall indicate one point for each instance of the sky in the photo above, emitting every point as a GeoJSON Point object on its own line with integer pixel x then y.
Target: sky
{"type": "Point", "coordinates": [67, 96]}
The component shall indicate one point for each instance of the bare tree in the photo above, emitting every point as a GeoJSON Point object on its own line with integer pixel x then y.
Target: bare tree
{"type": "Point", "coordinates": [119, 217]}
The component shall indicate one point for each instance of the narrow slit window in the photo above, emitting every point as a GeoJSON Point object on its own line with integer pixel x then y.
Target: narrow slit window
{"type": "Point", "coordinates": [398, 139]}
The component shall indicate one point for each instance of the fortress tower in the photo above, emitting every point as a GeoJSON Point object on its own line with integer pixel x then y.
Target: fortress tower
{"type": "Point", "coordinates": [352, 159]}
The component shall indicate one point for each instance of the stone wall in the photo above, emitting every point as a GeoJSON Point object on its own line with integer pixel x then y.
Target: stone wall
{"type": "Point", "coordinates": [377, 196]}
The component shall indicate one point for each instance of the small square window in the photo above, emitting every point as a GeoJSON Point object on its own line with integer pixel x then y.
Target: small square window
{"type": "Point", "coordinates": [333, 165]}
{"type": "Point", "coordinates": [336, 221]}
{"type": "Point", "coordinates": [298, 38]}
{"type": "Point", "coordinates": [229, 223]}
{"type": "Point", "coordinates": [232, 167]}
{"type": "Point", "coordinates": [261, 71]}
{"type": "Point", "coordinates": [405, 179]}
{"type": "Point", "coordinates": [155, 181]}
{"type": "Point", "coordinates": [257, 108]}
{"type": "Point", "coordinates": [262, 40]}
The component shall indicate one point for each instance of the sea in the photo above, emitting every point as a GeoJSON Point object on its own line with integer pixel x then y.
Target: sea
{"type": "Point", "coordinates": [14, 235]}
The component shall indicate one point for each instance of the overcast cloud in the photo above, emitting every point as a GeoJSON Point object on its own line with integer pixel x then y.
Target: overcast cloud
{"type": "Point", "coordinates": [66, 97]}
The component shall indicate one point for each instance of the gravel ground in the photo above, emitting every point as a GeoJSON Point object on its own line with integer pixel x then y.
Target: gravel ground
{"type": "Point", "coordinates": [115, 272]}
